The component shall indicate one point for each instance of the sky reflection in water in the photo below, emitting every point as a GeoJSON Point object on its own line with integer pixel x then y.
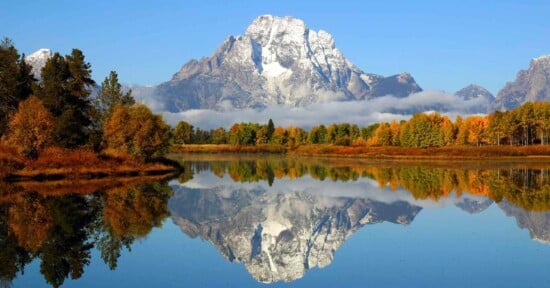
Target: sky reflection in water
{"type": "Point", "coordinates": [382, 224]}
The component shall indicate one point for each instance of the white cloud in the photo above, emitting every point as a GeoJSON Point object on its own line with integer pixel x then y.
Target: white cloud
{"type": "Point", "coordinates": [362, 113]}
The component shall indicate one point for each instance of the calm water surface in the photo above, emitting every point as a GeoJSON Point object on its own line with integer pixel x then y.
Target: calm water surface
{"type": "Point", "coordinates": [231, 221]}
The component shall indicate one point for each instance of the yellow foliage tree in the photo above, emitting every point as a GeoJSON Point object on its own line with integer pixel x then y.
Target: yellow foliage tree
{"type": "Point", "coordinates": [477, 129]}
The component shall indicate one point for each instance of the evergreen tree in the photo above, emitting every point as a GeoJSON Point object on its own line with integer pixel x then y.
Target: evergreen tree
{"type": "Point", "coordinates": [16, 80]}
{"type": "Point", "coordinates": [65, 91]}
{"type": "Point", "coordinates": [270, 129]}
{"type": "Point", "coordinates": [111, 94]}
{"type": "Point", "coordinates": [52, 89]}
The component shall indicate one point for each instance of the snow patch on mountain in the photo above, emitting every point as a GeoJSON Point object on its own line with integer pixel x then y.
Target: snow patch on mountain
{"type": "Point", "coordinates": [278, 61]}
{"type": "Point", "coordinates": [38, 60]}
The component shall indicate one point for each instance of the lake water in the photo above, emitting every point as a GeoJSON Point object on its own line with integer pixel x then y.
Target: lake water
{"type": "Point", "coordinates": [231, 221]}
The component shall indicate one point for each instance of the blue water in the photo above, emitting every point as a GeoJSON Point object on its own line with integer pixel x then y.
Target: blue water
{"type": "Point", "coordinates": [440, 245]}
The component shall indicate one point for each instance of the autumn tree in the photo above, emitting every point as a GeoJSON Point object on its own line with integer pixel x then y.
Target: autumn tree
{"type": "Point", "coordinates": [477, 129]}
{"type": "Point", "coordinates": [219, 136]}
{"type": "Point", "coordinates": [262, 135]}
{"type": "Point", "coordinates": [395, 130]}
{"type": "Point", "coordinates": [448, 131]}
{"type": "Point", "coordinates": [462, 131]}
{"type": "Point", "coordinates": [542, 120]}
{"type": "Point", "coordinates": [382, 136]}
{"type": "Point", "coordinates": [330, 135]}
{"type": "Point", "coordinates": [136, 131]}
{"type": "Point", "coordinates": [317, 135]}
{"type": "Point", "coordinates": [31, 127]}
{"type": "Point", "coordinates": [183, 133]}
{"type": "Point", "coordinates": [280, 136]}
{"type": "Point", "coordinates": [243, 134]}
{"type": "Point", "coordinates": [296, 136]}
{"type": "Point", "coordinates": [496, 129]}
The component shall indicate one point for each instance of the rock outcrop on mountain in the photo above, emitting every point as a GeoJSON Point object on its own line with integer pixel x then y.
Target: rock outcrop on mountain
{"type": "Point", "coordinates": [532, 84]}
{"type": "Point", "coordinates": [278, 236]}
{"type": "Point", "coordinates": [38, 60]}
{"type": "Point", "coordinates": [278, 61]}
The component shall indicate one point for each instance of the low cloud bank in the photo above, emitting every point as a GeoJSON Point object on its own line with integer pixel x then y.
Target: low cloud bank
{"type": "Point", "coordinates": [362, 113]}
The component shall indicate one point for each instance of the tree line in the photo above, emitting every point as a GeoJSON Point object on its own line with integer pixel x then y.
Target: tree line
{"type": "Point", "coordinates": [528, 124]}
{"type": "Point", "coordinates": [59, 110]}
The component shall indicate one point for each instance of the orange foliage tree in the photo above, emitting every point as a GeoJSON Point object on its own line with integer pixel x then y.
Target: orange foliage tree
{"type": "Point", "coordinates": [31, 127]}
{"type": "Point", "coordinates": [136, 131]}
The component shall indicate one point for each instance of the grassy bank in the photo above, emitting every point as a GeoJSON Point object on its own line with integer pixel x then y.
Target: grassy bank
{"type": "Point", "coordinates": [454, 152]}
{"type": "Point", "coordinates": [55, 163]}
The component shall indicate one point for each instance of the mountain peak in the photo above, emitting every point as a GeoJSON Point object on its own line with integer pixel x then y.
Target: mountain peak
{"type": "Point", "coordinates": [474, 91]}
{"type": "Point", "coordinates": [38, 60]}
{"type": "Point", "coordinates": [542, 58]}
{"type": "Point", "coordinates": [278, 61]}
{"type": "Point", "coordinates": [266, 23]}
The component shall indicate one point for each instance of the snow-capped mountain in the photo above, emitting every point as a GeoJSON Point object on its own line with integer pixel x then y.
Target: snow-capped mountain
{"type": "Point", "coordinates": [532, 84]}
{"type": "Point", "coordinates": [38, 60]}
{"type": "Point", "coordinates": [278, 236]}
{"type": "Point", "coordinates": [278, 61]}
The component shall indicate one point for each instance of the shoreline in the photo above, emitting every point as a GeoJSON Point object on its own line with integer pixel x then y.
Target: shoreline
{"type": "Point", "coordinates": [59, 164]}
{"type": "Point", "coordinates": [378, 153]}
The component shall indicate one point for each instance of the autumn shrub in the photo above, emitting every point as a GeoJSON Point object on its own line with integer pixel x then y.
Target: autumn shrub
{"type": "Point", "coordinates": [117, 155]}
{"type": "Point", "coordinates": [54, 157]}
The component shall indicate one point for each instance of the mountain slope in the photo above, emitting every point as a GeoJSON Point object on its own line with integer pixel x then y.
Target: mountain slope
{"type": "Point", "coordinates": [532, 84]}
{"type": "Point", "coordinates": [278, 61]}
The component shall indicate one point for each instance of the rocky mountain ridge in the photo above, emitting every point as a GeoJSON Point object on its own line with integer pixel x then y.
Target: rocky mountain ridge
{"type": "Point", "coordinates": [532, 84]}
{"type": "Point", "coordinates": [278, 61]}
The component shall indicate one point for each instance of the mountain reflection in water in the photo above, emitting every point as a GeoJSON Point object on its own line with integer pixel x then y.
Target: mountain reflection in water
{"type": "Point", "coordinates": [277, 216]}
{"type": "Point", "coordinates": [283, 217]}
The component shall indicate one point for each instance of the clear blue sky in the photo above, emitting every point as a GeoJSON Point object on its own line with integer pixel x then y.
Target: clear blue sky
{"type": "Point", "coordinates": [444, 44]}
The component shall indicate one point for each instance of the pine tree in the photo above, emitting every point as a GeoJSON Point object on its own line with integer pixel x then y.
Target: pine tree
{"type": "Point", "coordinates": [111, 94]}
{"type": "Point", "coordinates": [65, 91]}
{"type": "Point", "coordinates": [270, 130]}
{"type": "Point", "coordinates": [16, 81]}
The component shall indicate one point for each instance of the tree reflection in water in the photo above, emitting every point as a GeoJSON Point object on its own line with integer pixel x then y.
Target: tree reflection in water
{"type": "Point", "coordinates": [526, 185]}
{"type": "Point", "coordinates": [283, 216]}
{"type": "Point", "coordinates": [62, 230]}
{"type": "Point", "coordinates": [60, 224]}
